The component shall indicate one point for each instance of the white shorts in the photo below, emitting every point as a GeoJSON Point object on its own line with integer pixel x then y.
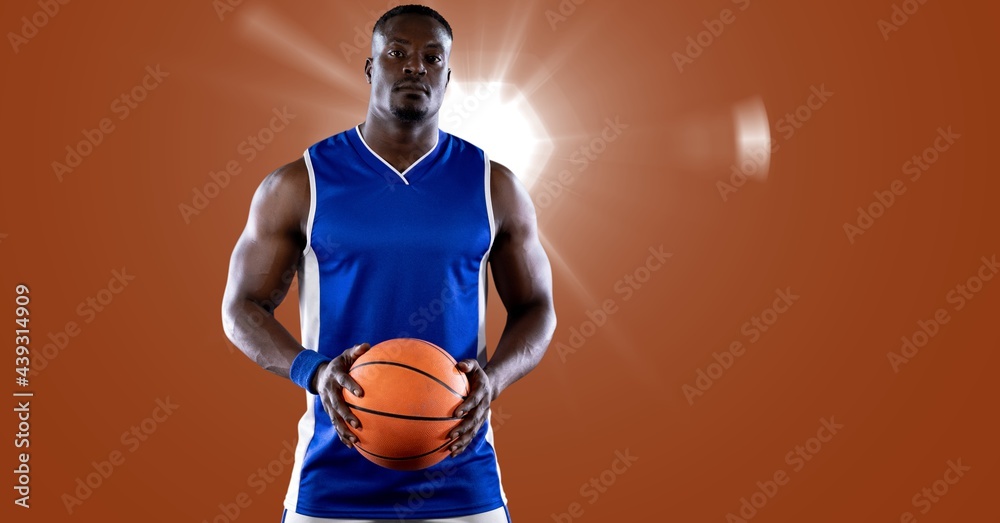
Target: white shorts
{"type": "Point", "coordinates": [499, 515]}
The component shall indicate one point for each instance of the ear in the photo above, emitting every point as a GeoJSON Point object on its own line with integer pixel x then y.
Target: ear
{"type": "Point", "coordinates": [448, 79]}
{"type": "Point", "coordinates": [368, 69]}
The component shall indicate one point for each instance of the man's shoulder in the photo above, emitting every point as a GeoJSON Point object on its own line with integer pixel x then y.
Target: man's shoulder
{"type": "Point", "coordinates": [510, 197]}
{"type": "Point", "coordinates": [288, 183]}
{"type": "Point", "coordinates": [292, 173]}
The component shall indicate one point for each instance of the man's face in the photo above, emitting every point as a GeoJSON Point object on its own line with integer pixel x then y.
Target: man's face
{"type": "Point", "coordinates": [408, 69]}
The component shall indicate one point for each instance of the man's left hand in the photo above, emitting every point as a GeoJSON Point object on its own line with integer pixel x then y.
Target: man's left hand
{"type": "Point", "coordinates": [474, 409]}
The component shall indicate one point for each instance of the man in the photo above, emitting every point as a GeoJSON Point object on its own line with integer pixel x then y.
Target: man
{"type": "Point", "coordinates": [389, 226]}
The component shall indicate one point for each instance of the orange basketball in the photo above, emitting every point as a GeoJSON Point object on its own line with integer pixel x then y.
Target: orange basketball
{"type": "Point", "coordinates": [411, 389]}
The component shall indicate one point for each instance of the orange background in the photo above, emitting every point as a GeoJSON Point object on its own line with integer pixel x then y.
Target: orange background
{"type": "Point", "coordinates": [161, 337]}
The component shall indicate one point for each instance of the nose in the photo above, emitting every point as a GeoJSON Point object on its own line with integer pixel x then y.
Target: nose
{"type": "Point", "coordinates": [414, 66]}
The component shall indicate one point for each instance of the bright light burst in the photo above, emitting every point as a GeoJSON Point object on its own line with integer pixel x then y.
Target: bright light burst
{"type": "Point", "coordinates": [498, 118]}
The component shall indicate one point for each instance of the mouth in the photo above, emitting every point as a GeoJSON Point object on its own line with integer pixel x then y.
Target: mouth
{"type": "Point", "coordinates": [411, 88]}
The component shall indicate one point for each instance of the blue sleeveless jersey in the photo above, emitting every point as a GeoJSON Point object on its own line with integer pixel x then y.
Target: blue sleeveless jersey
{"type": "Point", "coordinates": [393, 255]}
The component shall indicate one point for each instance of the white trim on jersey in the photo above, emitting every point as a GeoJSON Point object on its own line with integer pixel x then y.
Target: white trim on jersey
{"type": "Point", "coordinates": [484, 288]}
{"type": "Point", "coordinates": [309, 313]}
{"type": "Point", "coordinates": [312, 200]}
{"type": "Point", "coordinates": [489, 439]}
{"type": "Point", "coordinates": [402, 175]}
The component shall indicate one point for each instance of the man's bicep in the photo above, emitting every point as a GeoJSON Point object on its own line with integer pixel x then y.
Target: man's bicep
{"type": "Point", "coordinates": [267, 253]}
{"type": "Point", "coordinates": [262, 268]}
{"type": "Point", "coordinates": [521, 270]}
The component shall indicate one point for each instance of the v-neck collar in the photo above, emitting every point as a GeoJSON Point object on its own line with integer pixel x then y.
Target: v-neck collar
{"type": "Point", "coordinates": [380, 162]}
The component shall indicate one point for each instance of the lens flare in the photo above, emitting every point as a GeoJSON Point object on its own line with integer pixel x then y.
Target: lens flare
{"type": "Point", "coordinates": [499, 119]}
{"type": "Point", "coordinates": [753, 138]}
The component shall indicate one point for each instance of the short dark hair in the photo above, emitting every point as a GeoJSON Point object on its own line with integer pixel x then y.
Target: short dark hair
{"type": "Point", "coordinates": [412, 9]}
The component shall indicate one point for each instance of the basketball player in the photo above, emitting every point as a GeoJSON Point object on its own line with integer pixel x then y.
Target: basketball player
{"type": "Point", "coordinates": [389, 226]}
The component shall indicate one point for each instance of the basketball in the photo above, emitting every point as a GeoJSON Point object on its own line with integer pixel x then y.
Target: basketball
{"type": "Point", "coordinates": [411, 390]}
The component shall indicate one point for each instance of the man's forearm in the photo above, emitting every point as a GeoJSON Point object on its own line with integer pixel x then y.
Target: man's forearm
{"type": "Point", "coordinates": [525, 337]}
{"type": "Point", "coordinates": [260, 336]}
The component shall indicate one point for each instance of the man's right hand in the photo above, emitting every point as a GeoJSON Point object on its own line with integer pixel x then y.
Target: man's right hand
{"type": "Point", "coordinates": [330, 381]}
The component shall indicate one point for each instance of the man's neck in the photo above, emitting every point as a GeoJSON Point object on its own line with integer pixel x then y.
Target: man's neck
{"type": "Point", "coordinates": [399, 143]}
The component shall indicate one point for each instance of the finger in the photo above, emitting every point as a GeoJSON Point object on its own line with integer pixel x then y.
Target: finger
{"type": "Point", "coordinates": [345, 435]}
{"type": "Point", "coordinates": [463, 441]}
{"type": "Point", "coordinates": [473, 401]}
{"type": "Point", "coordinates": [347, 382]}
{"type": "Point", "coordinates": [461, 428]}
{"type": "Point", "coordinates": [466, 430]}
{"type": "Point", "coordinates": [344, 411]}
{"type": "Point", "coordinates": [359, 349]}
{"type": "Point", "coordinates": [471, 423]}
{"type": "Point", "coordinates": [470, 403]}
{"type": "Point", "coordinates": [343, 375]}
{"type": "Point", "coordinates": [456, 448]}
{"type": "Point", "coordinates": [467, 365]}
{"type": "Point", "coordinates": [477, 392]}
{"type": "Point", "coordinates": [355, 352]}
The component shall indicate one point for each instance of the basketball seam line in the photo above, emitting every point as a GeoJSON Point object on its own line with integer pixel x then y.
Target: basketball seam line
{"type": "Point", "coordinates": [404, 458]}
{"type": "Point", "coordinates": [435, 347]}
{"type": "Point", "coordinates": [414, 369]}
{"type": "Point", "coordinates": [401, 416]}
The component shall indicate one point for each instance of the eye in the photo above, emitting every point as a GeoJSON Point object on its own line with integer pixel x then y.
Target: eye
{"type": "Point", "coordinates": [395, 53]}
{"type": "Point", "coordinates": [433, 59]}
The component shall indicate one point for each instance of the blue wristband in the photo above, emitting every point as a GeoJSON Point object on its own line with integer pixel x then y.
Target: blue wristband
{"type": "Point", "coordinates": [304, 367]}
